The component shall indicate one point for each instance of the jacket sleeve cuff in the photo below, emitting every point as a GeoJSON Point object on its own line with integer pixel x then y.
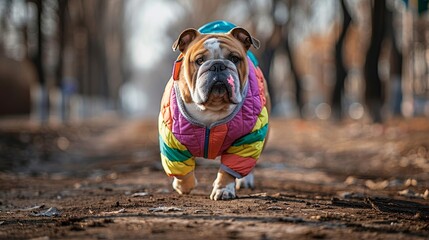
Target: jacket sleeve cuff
{"type": "Point", "coordinates": [230, 171]}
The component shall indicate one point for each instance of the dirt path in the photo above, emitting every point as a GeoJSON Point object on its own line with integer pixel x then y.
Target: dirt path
{"type": "Point", "coordinates": [315, 180]}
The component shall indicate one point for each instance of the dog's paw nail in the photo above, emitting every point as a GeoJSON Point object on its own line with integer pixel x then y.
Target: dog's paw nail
{"type": "Point", "coordinates": [225, 193]}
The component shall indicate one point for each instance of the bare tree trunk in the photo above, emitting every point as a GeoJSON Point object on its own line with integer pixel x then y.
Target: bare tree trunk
{"type": "Point", "coordinates": [38, 60]}
{"type": "Point", "coordinates": [296, 77]}
{"type": "Point", "coordinates": [279, 39]}
{"type": "Point", "coordinates": [374, 92]}
{"type": "Point", "coordinates": [266, 63]}
{"type": "Point", "coordinates": [341, 72]}
{"type": "Point", "coordinates": [62, 5]}
{"type": "Point", "coordinates": [395, 67]}
{"type": "Point", "coordinates": [114, 50]}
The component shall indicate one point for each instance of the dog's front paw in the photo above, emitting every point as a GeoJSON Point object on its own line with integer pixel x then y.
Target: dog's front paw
{"type": "Point", "coordinates": [185, 184]}
{"type": "Point", "coordinates": [246, 182]}
{"type": "Point", "coordinates": [223, 193]}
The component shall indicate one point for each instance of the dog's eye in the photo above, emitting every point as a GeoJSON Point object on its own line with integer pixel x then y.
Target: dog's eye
{"type": "Point", "coordinates": [199, 61]}
{"type": "Point", "coordinates": [234, 59]}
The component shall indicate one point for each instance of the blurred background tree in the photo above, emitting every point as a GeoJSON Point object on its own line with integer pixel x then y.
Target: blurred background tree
{"type": "Point", "coordinates": [341, 71]}
{"type": "Point", "coordinates": [64, 60]}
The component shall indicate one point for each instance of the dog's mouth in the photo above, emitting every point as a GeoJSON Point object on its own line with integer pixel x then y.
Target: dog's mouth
{"type": "Point", "coordinates": [219, 89]}
{"type": "Point", "coordinates": [219, 97]}
{"type": "Point", "coordinates": [222, 90]}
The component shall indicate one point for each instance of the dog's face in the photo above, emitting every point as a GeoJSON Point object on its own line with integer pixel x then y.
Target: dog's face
{"type": "Point", "coordinates": [214, 68]}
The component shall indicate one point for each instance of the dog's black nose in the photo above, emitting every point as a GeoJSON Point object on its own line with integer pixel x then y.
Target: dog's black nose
{"type": "Point", "coordinates": [217, 67]}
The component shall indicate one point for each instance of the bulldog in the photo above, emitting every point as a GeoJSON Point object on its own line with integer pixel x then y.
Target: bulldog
{"type": "Point", "coordinates": [215, 106]}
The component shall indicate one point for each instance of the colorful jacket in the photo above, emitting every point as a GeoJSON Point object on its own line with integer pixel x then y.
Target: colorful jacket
{"type": "Point", "coordinates": [238, 139]}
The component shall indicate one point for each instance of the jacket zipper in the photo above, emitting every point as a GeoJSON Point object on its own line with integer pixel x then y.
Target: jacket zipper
{"type": "Point", "coordinates": [206, 143]}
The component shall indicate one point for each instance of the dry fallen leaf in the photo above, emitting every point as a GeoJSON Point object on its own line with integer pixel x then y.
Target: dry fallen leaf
{"type": "Point", "coordinates": [51, 212]}
{"type": "Point", "coordinates": [376, 185]}
{"type": "Point", "coordinates": [165, 209]}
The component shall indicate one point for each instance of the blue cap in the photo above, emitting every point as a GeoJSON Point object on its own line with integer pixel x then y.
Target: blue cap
{"type": "Point", "coordinates": [221, 26]}
{"type": "Point", "coordinates": [216, 27]}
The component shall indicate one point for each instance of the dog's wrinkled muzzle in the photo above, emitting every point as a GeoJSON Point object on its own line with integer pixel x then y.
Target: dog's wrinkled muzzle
{"type": "Point", "coordinates": [217, 79]}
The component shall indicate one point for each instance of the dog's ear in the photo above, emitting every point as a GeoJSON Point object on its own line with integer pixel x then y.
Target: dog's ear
{"type": "Point", "coordinates": [244, 37]}
{"type": "Point", "coordinates": [185, 38]}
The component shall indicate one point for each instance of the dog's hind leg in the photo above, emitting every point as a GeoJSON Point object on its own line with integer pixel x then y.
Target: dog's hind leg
{"type": "Point", "coordinates": [246, 182]}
